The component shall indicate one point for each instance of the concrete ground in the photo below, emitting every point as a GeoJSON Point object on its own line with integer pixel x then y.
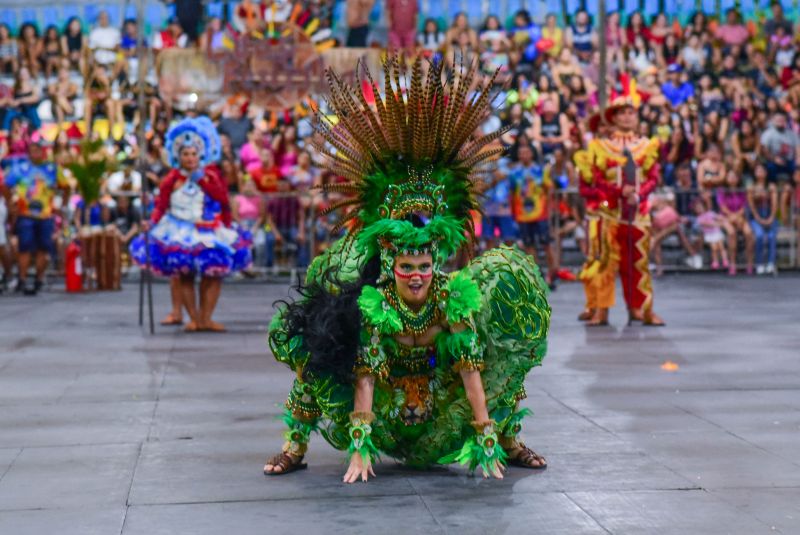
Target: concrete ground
{"type": "Point", "coordinates": [105, 429]}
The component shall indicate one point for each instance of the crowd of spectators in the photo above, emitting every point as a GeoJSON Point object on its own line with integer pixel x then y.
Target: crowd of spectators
{"type": "Point", "coordinates": [723, 96]}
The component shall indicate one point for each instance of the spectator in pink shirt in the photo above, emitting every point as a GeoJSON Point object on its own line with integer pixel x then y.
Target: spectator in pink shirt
{"type": "Point", "coordinates": [250, 153]}
{"type": "Point", "coordinates": [733, 32]}
{"type": "Point", "coordinates": [732, 202]}
{"type": "Point", "coordinates": [402, 23]}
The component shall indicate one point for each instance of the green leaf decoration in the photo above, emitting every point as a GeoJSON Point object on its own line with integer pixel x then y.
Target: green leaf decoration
{"type": "Point", "coordinates": [90, 168]}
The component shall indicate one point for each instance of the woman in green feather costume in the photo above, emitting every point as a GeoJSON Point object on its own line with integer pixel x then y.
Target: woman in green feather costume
{"type": "Point", "coordinates": [392, 354]}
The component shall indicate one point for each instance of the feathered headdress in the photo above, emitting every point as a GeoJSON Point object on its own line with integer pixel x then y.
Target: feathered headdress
{"type": "Point", "coordinates": [199, 133]}
{"type": "Point", "coordinates": [408, 153]}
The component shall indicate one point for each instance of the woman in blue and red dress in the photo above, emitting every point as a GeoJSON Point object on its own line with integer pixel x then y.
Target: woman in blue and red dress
{"type": "Point", "coordinates": [190, 232]}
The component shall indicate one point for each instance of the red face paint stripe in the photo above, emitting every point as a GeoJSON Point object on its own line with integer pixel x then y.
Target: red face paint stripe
{"type": "Point", "coordinates": [411, 275]}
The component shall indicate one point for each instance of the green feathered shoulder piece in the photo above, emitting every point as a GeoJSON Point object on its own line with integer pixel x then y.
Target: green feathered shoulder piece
{"type": "Point", "coordinates": [463, 297]}
{"type": "Point", "coordinates": [377, 311]}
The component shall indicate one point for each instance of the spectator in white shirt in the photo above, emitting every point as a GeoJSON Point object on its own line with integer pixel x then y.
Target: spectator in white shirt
{"type": "Point", "coordinates": [104, 40]}
{"type": "Point", "coordinates": [126, 180]}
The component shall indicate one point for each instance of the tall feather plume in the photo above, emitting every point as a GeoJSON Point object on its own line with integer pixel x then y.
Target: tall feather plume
{"type": "Point", "coordinates": [417, 113]}
{"type": "Point", "coordinates": [474, 114]}
{"type": "Point", "coordinates": [434, 124]}
{"type": "Point", "coordinates": [456, 126]}
{"type": "Point", "coordinates": [452, 90]}
{"type": "Point", "coordinates": [390, 133]}
{"type": "Point", "coordinates": [339, 165]}
{"type": "Point", "coordinates": [398, 107]}
{"type": "Point", "coordinates": [363, 117]}
{"type": "Point", "coordinates": [375, 123]}
{"type": "Point", "coordinates": [342, 144]}
{"type": "Point", "coordinates": [339, 225]}
{"type": "Point", "coordinates": [344, 171]}
{"type": "Point", "coordinates": [389, 96]}
{"type": "Point", "coordinates": [356, 125]}
{"type": "Point", "coordinates": [456, 104]}
{"type": "Point", "coordinates": [390, 103]}
{"type": "Point", "coordinates": [475, 146]}
{"type": "Point", "coordinates": [439, 110]}
{"type": "Point", "coordinates": [339, 204]}
{"type": "Point", "coordinates": [484, 156]}
{"type": "Point", "coordinates": [343, 187]}
{"type": "Point", "coordinates": [429, 111]}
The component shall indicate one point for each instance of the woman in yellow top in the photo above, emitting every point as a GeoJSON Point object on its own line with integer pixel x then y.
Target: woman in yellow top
{"type": "Point", "coordinates": [553, 33]}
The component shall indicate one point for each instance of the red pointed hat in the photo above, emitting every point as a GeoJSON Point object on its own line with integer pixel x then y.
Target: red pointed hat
{"type": "Point", "coordinates": [629, 97]}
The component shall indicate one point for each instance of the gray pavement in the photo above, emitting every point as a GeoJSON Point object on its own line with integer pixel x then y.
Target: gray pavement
{"type": "Point", "coordinates": [105, 429]}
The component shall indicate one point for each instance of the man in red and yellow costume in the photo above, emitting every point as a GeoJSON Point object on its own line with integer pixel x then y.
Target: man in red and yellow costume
{"type": "Point", "coordinates": [618, 173]}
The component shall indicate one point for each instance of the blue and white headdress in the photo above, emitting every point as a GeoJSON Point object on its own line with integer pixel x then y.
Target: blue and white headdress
{"type": "Point", "coordinates": [199, 133]}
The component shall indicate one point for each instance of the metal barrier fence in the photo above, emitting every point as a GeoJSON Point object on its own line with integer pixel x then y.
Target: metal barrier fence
{"type": "Point", "coordinates": [678, 242]}
{"type": "Point", "coordinates": [289, 231]}
{"type": "Point", "coordinates": [295, 231]}
{"type": "Point", "coordinates": [291, 228]}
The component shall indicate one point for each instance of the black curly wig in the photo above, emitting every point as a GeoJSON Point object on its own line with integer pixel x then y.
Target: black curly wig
{"type": "Point", "coordinates": [328, 323]}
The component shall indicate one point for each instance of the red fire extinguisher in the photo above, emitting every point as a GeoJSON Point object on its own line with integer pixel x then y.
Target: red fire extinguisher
{"type": "Point", "coordinates": [74, 268]}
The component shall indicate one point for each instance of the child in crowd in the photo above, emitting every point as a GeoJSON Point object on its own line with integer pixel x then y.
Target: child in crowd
{"type": "Point", "coordinates": [710, 224]}
{"type": "Point", "coordinates": [667, 221]}
{"type": "Point", "coordinates": [431, 40]}
{"type": "Point", "coordinates": [532, 188]}
{"type": "Point", "coordinates": [247, 209]}
{"type": "Point", "coordinates": [732, 203]}
{"type": "Point", "coordinates": [247, 206]}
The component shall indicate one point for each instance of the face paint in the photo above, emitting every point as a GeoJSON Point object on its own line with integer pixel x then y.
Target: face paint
{"type": "Point", "coordinates": [399, 274]}
{"type": "Point", "coordinates": [413, 277]}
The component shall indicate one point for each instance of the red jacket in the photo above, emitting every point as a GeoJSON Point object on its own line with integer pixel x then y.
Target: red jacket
{"type": "Point", "coordinates": [212, 184]}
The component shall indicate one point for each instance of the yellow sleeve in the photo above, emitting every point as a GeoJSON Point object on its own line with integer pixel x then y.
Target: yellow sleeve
{"type": "Point", "coordinates": [585, 161]}
{"type": "Point", "coordinates": [651, 154]}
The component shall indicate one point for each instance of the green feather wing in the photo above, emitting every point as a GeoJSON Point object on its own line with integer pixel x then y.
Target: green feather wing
{"type": "Point", "coordinates": [514, 318]}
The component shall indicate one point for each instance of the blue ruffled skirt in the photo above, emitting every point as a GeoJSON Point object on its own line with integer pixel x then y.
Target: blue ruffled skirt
{"type": "Point", "coordinates": [180, 247]}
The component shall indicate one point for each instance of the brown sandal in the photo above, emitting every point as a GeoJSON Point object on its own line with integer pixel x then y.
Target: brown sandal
{"type": "Point", "coordinates": [653, 320]}
{"type": "Point", "coordinates": [525, 456]}
{"type": "Point", "coordinates": [171, 320]}
{"type": "Point", "coordinates": [287, 464]}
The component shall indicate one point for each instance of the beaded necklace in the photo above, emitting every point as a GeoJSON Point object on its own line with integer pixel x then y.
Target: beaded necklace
{"type": "Point", "coordinates": [415, 323]}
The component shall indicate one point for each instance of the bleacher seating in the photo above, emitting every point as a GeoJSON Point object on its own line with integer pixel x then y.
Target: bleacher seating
{"type": "Point", "coordinates": [44, 13]}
